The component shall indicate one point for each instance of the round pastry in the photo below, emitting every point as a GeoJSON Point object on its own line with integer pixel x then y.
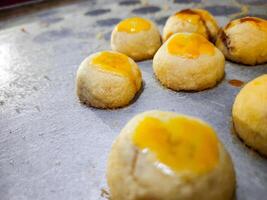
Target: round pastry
{"type": "Point", "coordinates": [166, 156]}
{"type": "Point", "coordinates": [188, 61]}
{"type": "Point", "coordinates": [250, 114]}
{"type": "Point", "coordinates": [108, 80]}
{"type": "Point", "coordinates": [193, 21]}
{"type": "Point", "coordinates": [136, 37]}
{"type": "Point", "coordinates": [244, 41]}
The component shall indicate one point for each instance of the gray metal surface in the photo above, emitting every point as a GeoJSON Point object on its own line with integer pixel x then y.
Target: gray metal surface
{"type": "Point", "coordinates": [51, 146]}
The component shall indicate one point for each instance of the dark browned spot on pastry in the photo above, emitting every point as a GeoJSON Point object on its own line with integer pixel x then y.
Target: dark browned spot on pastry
{"type": "Point", "coordinates": [249, 19]}
{"type": "Point", "coordinates": [228, 25]}
{"type": "Point", "coordinates": [187, 11]}
{"type": "Point", "coordinates": [225, 39]}
{"type": "Point", "coordinates": [236, 83]}
{"type": "Point", "coordinates": [207, 28]}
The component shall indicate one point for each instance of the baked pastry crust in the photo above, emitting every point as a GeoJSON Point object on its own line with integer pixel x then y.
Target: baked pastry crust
{"type": "Point", "coordinates": [133, 175]}
{"type": "Point", "coordinates": [182, 72]}
{"type": "Point", "coordinates": [139, 45]}
{"type": "Point", "coordinates": [244, 41]}
{"type": "Point", "coordinates": [193, 21]}
{"type": "Point", "coordinates": [249, 114]}
{"type": "Point", "coordinates": [109, 87]}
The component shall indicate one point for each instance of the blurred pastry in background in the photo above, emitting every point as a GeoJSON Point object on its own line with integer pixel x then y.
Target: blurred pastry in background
{"type": "Point", "coordinates": [108, 80]}
{"type": "Point", "coordinates": [136, 37]}
{"type": "Point", "coordinates": [188, 61]}
{"type": "Point", "coordinates": [193, 21]}
{"type": "Point", "coordinates": [166, 156]}
{"type": "Point", "coordinates": [250, 114]}
{"type": "Point", "coordinates": [244, 40]}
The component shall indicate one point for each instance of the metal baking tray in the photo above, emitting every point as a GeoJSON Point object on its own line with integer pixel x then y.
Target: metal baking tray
{"type": "Point", "coordinates": [53, 147]}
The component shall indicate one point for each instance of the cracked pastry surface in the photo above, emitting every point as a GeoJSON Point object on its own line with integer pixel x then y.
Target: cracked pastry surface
{"type": "Point", "coordinates": [108, 79]}
{"type": "Point", "coordinates": [193, 21]}
{"type": "Point", "coordinates": [188, 61]}
{"type": "Point", "coordinates": [244, 40]}
{"type": "Point", "coordinates": [136, 37]}
{"type": "Point", "coordinates": [250, 114]}
{"type": "Point", "coordinates": [165, 156]}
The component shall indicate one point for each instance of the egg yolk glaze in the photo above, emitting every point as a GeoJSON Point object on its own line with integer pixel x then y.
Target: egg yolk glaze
{"type": "Point", "coordinates": [116, 63]}
{"type": "Point", "coordinates": [260, 23]}
{"type": "Point", "coordinates": [189, 16]}
{"type": "Point", "coordinates": [133, 25]}
{"type": "Point", "coordinates": [190, 45]}
{"type": "Point", "coordinates": [180, 143]}
{"type": "Point", "coordinates": [197, 17]}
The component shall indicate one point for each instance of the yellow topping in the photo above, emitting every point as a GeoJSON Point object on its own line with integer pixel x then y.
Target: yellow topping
{"type": "Point", "coordinates": [116, 63]}
{"type": "Point", "coordinates": [193, 17]}
{"type": "Point", "coordinates": [190, 45]}
{"type": "Point", "coordinates": [189, 16]}
{"type": "Point", "coordinates": [133, 25]}
{"type": "Point", "coordinates": [180, 143]}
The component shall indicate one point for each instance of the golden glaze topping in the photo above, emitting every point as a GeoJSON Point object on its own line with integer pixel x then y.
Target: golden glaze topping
{"type": "Point", "coordinates": [193, 17]}
{"type": "Point", "coordinates": [133, 25]}
{"type": "Point", "coordinates": [114, 62]}
{"type": "Point", "coordinates": [180, 143]}
{"type": "Point", "coordinates": [198, 17]}
{"type": "Point", "coordinates": [190, 45]}
{"type": "Point", "coordinates": [189, 16]}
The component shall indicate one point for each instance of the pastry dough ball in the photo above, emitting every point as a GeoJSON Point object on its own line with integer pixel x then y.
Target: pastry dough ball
{"type": "Point", "coordinates": [192, 21]}
{"type": "Point", "coordinates": [108, 80]}
{"type": "Point", "coordinates": [188, 61]}
{"type": "Point", "coordinates": [244, 41]}
{"type": "Point", "coordinates": [165, 156]}
{"type": "Point", "coordinates": [136, 37]}
{"type": "Point", "coordinates": [250, 114]}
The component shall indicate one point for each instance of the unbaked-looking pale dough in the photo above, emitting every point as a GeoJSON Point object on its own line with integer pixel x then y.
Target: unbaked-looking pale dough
{"type": "Point", "coordinates": [193, 21]}
{"type": "Point", "coordinates": [108, 80]}
{"type": "Point", "coordinates": [250, 114]}
{"type": "Point", "coordinates": [244, 41]}
{"type": "Point", "coordinates": [188, 61]}
{"type": "Point", "coordinates": [136, 37]}
{"type": "Point", "coordinates": [165, 156]}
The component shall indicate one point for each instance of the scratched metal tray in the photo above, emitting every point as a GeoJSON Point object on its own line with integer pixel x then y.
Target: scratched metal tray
{"type": "Point", "coordinates": [51, 146]}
